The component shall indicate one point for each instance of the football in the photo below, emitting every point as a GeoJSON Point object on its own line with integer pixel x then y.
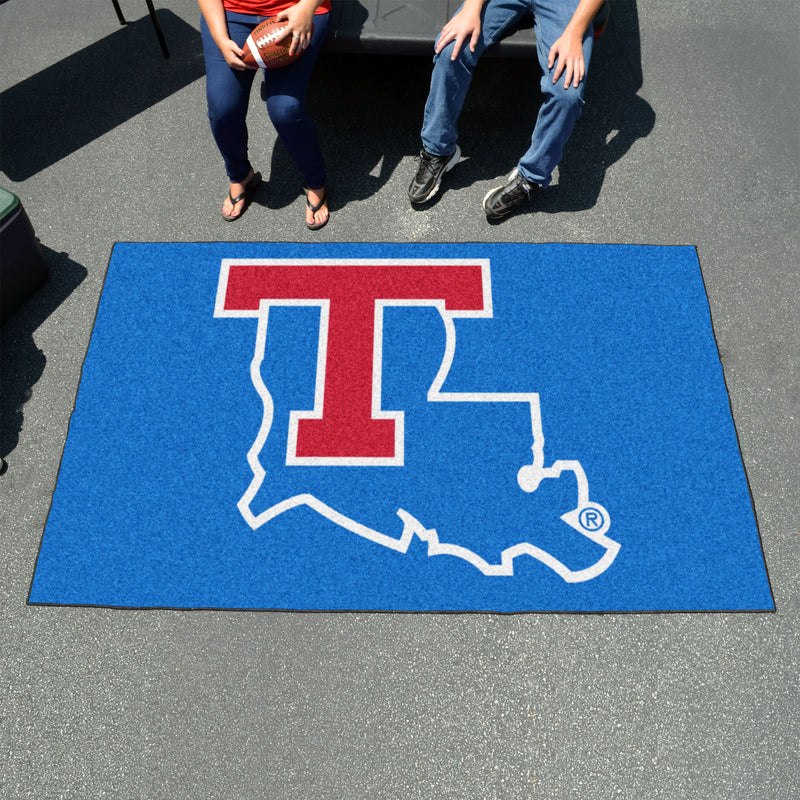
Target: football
{"type": "Point", "coordinates": [268, 45]}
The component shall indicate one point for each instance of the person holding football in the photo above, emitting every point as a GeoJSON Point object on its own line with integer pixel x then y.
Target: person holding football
{"type": "Point", "coordinates": [224, 28]}
{"type": "Point", "coordinates": [564, 36]}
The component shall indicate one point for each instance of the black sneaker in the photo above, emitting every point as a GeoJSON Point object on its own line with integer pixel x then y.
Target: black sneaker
{"type": "Point", "coordinates": [504, 199]}
{"type": "Point", "coordinates": [430, 171]}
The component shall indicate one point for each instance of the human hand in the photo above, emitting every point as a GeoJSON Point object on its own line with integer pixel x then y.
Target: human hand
{"type": "Point", "coordinates": [232, 54]}
{"type": "Point", "coordinates": [301, 27]}
{"type": "Point", "coordinates": [568, 51]}
{"type": "Point", "coordinates": [465, 25]}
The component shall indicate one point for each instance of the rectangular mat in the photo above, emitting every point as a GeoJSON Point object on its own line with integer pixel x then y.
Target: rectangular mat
{"type": "Point", "coordinates": [456, 427]}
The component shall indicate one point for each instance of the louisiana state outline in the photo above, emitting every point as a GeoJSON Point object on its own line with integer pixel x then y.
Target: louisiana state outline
{"type": "Point", "coordinates": [348, 428]}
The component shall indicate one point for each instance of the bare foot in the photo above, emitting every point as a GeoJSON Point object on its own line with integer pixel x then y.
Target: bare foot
{"type": "Point", "coordinates": [231, 210]}
{"type": "Point", "coordinates": [315, 199]}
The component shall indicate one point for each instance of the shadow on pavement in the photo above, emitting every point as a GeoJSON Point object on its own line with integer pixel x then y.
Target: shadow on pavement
{"type": "Point", "coordinates": [367, 109]}
{"type": "Point", "coordinates": [21, 361]}
{"type": "Point", "coordinates": [613, 119]}
{"type": "Point", "coordinates": [76, 100]}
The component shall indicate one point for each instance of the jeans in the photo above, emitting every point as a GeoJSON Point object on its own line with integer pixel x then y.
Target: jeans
{"type": "Point", "coordinates": [228, 95]}
{"type": "Point", "coordinates": [559, 111]}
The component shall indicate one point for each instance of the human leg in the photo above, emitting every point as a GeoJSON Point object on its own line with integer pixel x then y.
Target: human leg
{"type": "Point", "coordinates": [286, 90]}
{"type": "Point", "coordinates": [557, 116]}
{"type": "Point", "coordinates": [561, 107]}
{"type": "Point", "coordinates": [450, 81]}
{"type": "Point", "coordinates": [227, 95]}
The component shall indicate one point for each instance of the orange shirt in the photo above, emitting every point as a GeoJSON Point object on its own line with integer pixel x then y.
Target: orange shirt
{"type": "Point", "coordinates": [267, 8]}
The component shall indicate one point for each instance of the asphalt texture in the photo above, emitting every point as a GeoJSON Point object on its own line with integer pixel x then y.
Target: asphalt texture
{"type": "Point", "coordinates": [690, 136]}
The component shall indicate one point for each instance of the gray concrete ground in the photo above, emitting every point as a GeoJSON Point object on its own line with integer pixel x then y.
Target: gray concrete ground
{"type": "Point", "coordinates": [690, 137]}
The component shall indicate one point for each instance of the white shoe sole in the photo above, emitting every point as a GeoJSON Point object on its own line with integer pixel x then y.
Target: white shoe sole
{"type": "Point", "coordinates": [513, 174]}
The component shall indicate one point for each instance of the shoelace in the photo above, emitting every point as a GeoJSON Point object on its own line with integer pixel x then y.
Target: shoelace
{"type": "Point", "coordinates": [430, 164]}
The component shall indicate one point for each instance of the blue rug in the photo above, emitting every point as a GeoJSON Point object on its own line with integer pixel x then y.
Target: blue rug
{"type": "Point", "coordinates": [460, 427]}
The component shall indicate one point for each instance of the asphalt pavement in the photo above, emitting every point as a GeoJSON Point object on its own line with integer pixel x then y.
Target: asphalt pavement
{"type": "Point", "coordinates": [690, 137]}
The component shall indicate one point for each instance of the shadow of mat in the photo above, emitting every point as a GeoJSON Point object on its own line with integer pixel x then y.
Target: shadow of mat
{"type": "Point", "coordinates": [78, 99]}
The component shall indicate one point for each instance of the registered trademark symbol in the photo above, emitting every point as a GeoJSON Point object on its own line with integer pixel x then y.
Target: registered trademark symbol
{"type": "Point", "coordinates": [591, 519]}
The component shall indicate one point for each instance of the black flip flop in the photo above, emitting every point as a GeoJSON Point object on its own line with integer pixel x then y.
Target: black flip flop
{"type": "Point", "coordinates": [315, 226]}
{"type": "Point", "coordinates": [246, 195]}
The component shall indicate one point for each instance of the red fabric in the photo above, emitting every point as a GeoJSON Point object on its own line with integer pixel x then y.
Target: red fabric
{"type": "Point", "coordinates": [348, 427]}
{"type": "Point", "coordinates": [268, 8]}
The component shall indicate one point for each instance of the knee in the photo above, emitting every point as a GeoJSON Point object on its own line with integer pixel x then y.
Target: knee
{"type": "Point", "coordinates": [465, 59]}
{"type": "Point", "coordinates": [567, 101]}
{"type": "Point", "coordinates": [224, 109]}
{"type": "Point", "coordinates": [285, 110]}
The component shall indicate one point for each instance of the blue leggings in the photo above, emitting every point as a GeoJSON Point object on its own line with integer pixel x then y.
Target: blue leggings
{"type": "Point", "coordinates": [228, 94]}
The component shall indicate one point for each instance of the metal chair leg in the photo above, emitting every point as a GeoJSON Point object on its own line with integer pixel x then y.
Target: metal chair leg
{"type": "Point", "coordinates": [119, 12]}
{"type": "Point", "coordinates": [153, 17]}
{"type": "Point", "coordinates": [159, 34]}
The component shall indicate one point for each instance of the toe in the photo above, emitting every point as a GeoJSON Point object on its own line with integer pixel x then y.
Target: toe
{"type": "Point", "coordinates": [316, 199]}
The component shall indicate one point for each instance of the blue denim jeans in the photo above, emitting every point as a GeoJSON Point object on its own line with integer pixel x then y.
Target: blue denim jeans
{"type": "Point", "coordinates": [228, 95]}
{"type": "Point", "coordinates": [559, 111]}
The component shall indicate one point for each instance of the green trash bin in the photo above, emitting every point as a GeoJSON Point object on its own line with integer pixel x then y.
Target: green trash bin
{"type": "Point", "coordinates": [22, 266]}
